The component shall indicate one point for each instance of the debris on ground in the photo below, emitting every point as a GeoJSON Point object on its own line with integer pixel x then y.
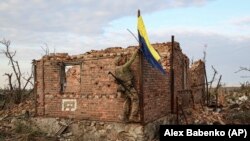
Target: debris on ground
{"type": "Point", "coordinates": [203, 116]}
{"type": "Point", "coordinates": [237, 108]}
{"type": "Point", "coordinates": [234, 108]}
{"type": "Point", "coordinates": [25, 108]}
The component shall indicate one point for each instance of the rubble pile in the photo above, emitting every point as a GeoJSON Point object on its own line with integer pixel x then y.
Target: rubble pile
{"type": "Point", "coordinates": [204, 116]}
{"type": "Point", "coordinates": [11, 113]}
{"type": "Point", "coordinates": [236, 98]}
{"type": "Point", "coordinates": [237, 108]}
{"type": "Point", "coordinates": [15, 129]}
{"type": "Point", "coordinates": [25, 108]}
{"type": "Point", "coordinates": [233, 108]}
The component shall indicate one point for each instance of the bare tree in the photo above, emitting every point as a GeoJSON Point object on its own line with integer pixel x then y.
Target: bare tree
{"type": "Point", "coordinates": [210, 87]}
{"type": "Point", "coordinates": [215, 73]}
{"type": "Point", "coordinates": [207, 95]}
{"type": "Point", "coordinates": [9, 75]}
{"type": "Point", "coordinates": [45, 48]}
{"type": "Point", "coordinates": [205, 53]}
{"type": "Point", "coordinates": [16, 86]}
{"type": "Point", "coordinates": [216, 90]}
{"type": "Point", "coordinates": [243, 69]}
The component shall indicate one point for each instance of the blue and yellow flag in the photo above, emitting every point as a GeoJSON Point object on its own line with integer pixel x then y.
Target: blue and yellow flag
{"type": "Point", "coordinates": [147, 49]}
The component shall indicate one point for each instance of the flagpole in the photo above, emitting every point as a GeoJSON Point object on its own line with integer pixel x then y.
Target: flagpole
{"type": "Point", "coordinates": [140, 78]}
{"type": "Point", "coordinates": [172, 74]}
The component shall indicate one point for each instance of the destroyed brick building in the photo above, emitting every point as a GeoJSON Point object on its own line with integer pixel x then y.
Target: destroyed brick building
{"type": "Point", "coordinates": [80, 87]}
{"type": "Point", "coordinates": [198, 80]}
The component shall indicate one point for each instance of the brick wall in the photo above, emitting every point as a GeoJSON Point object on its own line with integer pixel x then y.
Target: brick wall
{"type": "Point", "coordinates": [95, 97]}
{"type": "Point", "coordinates": [156, 87]}
{"type": "Point", "coordinates": [156, 93]}
{"type": "Point", "coordinates": [182, 86]}
{"type": "Point", "coordinates": [197, 71]}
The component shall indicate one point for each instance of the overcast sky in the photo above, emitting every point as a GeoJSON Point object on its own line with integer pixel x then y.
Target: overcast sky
{"type": "Point", "coordinates": [83, 25]}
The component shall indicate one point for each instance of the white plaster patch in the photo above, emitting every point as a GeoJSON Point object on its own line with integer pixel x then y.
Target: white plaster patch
{"type": "Point", "coordinates": [69, 104]}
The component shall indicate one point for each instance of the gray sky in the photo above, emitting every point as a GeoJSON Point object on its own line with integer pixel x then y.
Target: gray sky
{"type": "Point", "coordinates": [82, 25]}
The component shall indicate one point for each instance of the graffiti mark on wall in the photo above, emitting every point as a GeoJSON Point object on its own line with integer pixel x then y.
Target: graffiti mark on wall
{"type": "Point", "coordinates": [69, 104]}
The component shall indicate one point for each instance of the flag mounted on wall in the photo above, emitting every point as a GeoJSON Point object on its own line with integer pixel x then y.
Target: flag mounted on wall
{"type": "Point", "coordinates": [147, 49]}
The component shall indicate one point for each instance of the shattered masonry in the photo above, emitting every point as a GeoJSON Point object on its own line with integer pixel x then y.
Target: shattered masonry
{"type": "Point", "coordinates": [79, 86]}
{"type": "Point", "coordinates": [198, 80]}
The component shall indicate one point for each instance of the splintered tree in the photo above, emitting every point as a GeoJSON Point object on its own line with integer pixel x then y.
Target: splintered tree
{"type": "Point", "coordinates": [213, 93]}
{"type": "Point", "coordinates": [205, 72]}
{"type": "Point", "coordinates": [17, 82]}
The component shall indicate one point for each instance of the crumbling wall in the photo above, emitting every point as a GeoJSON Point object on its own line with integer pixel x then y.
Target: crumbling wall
{"type": "Point", "coordinates": [96, 96]}
{"type": "Point", "coordinates": [156, 87]}
{"type": "Point", "coordinates": [181, 77]}
{"type": "Point", "coordinates": [182, 87]}
{"type": "Point", "coordinates": [197, 72]}
{"type": "Point", "coordinates": [156, 92]}
{"type": "Point", "coordinates": [46, 72]}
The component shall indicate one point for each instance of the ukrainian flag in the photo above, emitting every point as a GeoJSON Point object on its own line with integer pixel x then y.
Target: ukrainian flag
{"type": "Point", "coordinates": [147, 49]}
